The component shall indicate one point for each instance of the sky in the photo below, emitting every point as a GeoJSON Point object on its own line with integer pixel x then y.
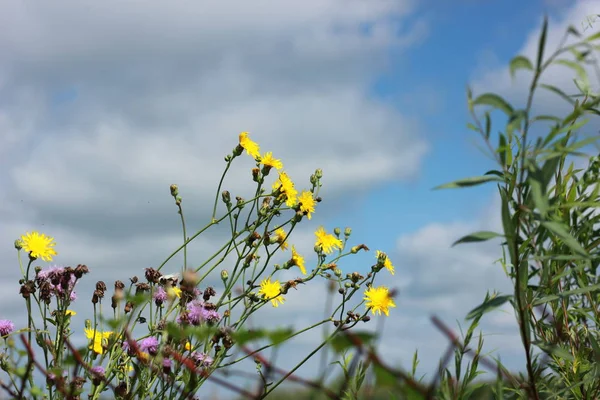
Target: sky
{"type": "Point", "coordinates": [104, 105]}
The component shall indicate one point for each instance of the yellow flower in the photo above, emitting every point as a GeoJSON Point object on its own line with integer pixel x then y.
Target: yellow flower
{"type": "Point", "coordinates": [280, 236]}
{"type": "Point", "coordinates": [307, 203]}
{"type": "Point", "coordinates": [98, 339]}
{"type": "Point", "coordinates": [271, 290]}
{"type": "Point", "coordinates": [143, 356]}
{"type": "Point", "coordinates": [188, 346]}
{"type": "Point", "coordinates": [327, 241]}
{"type": "Point", "coordinates": [251, 147]}
{"type": "Point", "coordinates": [379, 300]}
{"type": "Point", "coordinates": [268, 161]}
{"type": "Point", "coordinates": [387, 263]}
{"type": "Point", "coordinates": [70, 313]}
{"type": "Point", "coordinates": [298, 260]}
{"type": "Point", "coordinates": [38, 245]}
{"type": "Point", "coordinates": [286, 186]}
{"type": "Point", "coordinates": [173, 292]}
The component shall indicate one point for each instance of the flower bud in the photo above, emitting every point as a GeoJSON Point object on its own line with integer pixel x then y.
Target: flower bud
{"type": "Point", "coordinates": [347, 232]}
{"type": "Point", "coordinates": [337, 231]}
{"type": "Point", "coordinates": [255, 174]}
{"type": "Point", "coordinates": [337, 272]}
{"type": "Point", "coordinates": [174, 190]}
{"type": "Point", "coordinates": [224, 275]}
{"type": "Point", "coordinates": [319, 173]}
{"type": "Point", "coordinates": [18, 244]}
{"type": "Point", "coordinates": [226, 197]}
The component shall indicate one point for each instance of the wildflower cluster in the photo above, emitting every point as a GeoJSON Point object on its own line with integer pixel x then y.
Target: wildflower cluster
{"type": "Point", "coordinates": [170, 332]}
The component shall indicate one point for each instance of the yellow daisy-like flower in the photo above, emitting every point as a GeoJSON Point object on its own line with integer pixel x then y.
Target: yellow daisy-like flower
{"type": "Point", "coordinates": [173, 292]}
{"type": "Point", "coordinates": [307, 203]}
{"type": "Point", "coordinates": [247, 144]}
{"type": "Point", "coordinates": [271, 290]}
{"type": "Point", "coordinates": [98, 339]}
{"type": "Point", "coordinates": [286, 186]}
{"type": "Point", "coordinates": [38, 245]}
{"type": "Point", "coordinates": [188, 346]}
{"type": "Point", "coordinates": [268, 161]}
{"type": "Point", "coordinates": [327, 241]}
{"type": "Point", "coordinates": [280, 236]}
{"type": "Point", "coordinates": [378, 300]}
{"type": "Point", "coordinates": [70, 313]}
{"type": "Point", "coordinates": [387, 263]}
{"type": "Point", "coordinates": [298, 260]}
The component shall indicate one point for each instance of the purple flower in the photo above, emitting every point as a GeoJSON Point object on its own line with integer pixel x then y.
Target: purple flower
{"type": "Point", "coordinates": [202, 359]}
{"type": "Point", "coordinates": [212, 316]}
{"type": "Point", "coordinates": [160, 296]}
{"type": "Point", "coordinates": [98, 370]}
{"type": "Point", "coordinates": [97, 374]}
{"type": "Point", "coordinates": [167, 364]}
{"type": "Point", "coordinates": [59, 284]}
{"type": "Point", "coordinates": [128, 348]}
{"type": "Point", "coordinates": [50, 273]}
{"type": "Point", "coordinates": [6, 327]}
{"type": "Point", "coordinates": [149, 344]}
{"type": "Point", "coordinates": [197, 314]}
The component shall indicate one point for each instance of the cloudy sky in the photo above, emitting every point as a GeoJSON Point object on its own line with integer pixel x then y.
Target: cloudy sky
{"type": "Point", "coordinates": [103, 105]}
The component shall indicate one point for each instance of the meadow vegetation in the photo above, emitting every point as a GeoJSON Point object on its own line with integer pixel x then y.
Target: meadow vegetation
{"type": "Point", "coordinates": [165, 336]}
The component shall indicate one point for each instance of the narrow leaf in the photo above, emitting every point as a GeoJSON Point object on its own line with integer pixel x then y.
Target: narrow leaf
{"type": "Point", "coordinates": [560, 230]}
{"type": "Point", "coordinates": [559, 92]}
{"type": "Point", "coordinates": [495, 101]}
{"type": "Point", "coordinates": [488, 306]}
{"type": "Point", "coordinates": [481, 236]}
{"type": "Point", "coordinates": [473, 181]}
{"type": "Point", "coordinates": [542, 44]}
{"type": "Point", "coordinates": [519, 62]}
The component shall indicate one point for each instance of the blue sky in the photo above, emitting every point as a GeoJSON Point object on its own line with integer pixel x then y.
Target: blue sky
{"type": "Point", "coordinates": [102, 110]}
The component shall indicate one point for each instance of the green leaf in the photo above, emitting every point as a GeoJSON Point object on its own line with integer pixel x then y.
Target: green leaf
{"type": "Point", "coordinates": [579, 70]}
{"type": "Point", "coordinates": [342, 342]}
{"type": "Point", "coordinates": [495, 101]}
{"type": "Point", "coordinates": [593, 37]}
{"type": "Point", "coordinates": [539, 199]}
{"type": "Point", "coordinates": [480, 236]}
{"type": "Point", "coordinates": [546, 118]}
{"type": "Point", "coordinates": [542, 44]}
{"type": "Point", "coordinates": [244, 336]}
{"type": "Point", "coordinates": [488, 306]}
{"type": "Point", "coordinates": [559, 92]}
{"type": "Point", "coordinates": [561, 231]}
{"type": "Point", "coordinates": [571, 29]}
{"type": "Point", "coordinates": [595, 347]}
{"type": "Point", "coordinates": [472, 127]}
{"type": "Point", "coordinates": [583, 86]}
{"type": "Point", "coordinates": [557, 351]}
{"type": "Point", "coordinates": [280, 335]}
{"type": "Point", "coordinates": [383, 377]}
{"type": "Point", "coordinates": [519, 62]}
{"type": "Point", "coordinates": [467, 182]}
